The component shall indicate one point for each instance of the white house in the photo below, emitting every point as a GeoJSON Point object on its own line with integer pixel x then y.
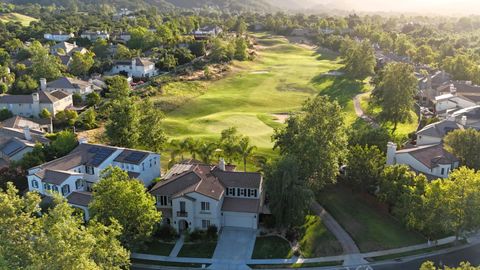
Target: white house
{"type": "Point", "coordinates": [32, 105]}
{"type": "Point", "coordinates": [94, 35]}
{"type": "Point", "coordinates": [434, 133]}
{"type": "Point", "coordinates": [195, 196]}
{"type": "Point", "coordinates": [71, 86]}
{"type": "Point", "coordinates": [73, 175]}
{"type": "Point", "coordinates": [137, 67]}
{"type": "Point", "coordinates": [431, 159]}
{"type": "Point", "coordinates": [207, 32]}
{"type": "Point", "coordinates": [18, 136]}
{"type": "Point", "coordinates": [65, 48]}
{"type": "Point", "coordinates": [58, 36]}
{"type": "Point", "coordinates": [447, 103]}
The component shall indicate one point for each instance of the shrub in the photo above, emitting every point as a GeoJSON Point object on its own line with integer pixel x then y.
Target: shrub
{"type": "Point", "coordinates": [212, 232]}
{"type": "Point", "coordinates": [77, 99]}
{"type": "Point", "coordinates": [196, 235]}
{"type": "Point", "coordinates": [5, 114]}
{"type": "Point", "coordinates": [3, 88]}
{"type": "Point", "coordinates": [165, 233]}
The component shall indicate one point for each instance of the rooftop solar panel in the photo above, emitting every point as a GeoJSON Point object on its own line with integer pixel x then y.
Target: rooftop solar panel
{"type": "Point", "coordinates": [135, 157]}
{"type": "Point", "coordinates": [11, 147]}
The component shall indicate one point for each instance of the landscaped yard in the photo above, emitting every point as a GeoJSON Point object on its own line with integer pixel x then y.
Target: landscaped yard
{"type": "Point", "coordinates": [158, 248]}
{"type": "Point", "coordinates": [198, 250]}
{"type": "Point", "coordinates": [271, 247]}
{"type": "Point", "coordinates": [278, 81]}
{"type": "Point", "coordinates": [370, 228]}
{"type": "Point", "coordinates": [317, 241]}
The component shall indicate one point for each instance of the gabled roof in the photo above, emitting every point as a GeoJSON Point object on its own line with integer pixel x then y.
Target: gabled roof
{"type": "Point", "coordinates": [19, 122]}
{"type": "Point", "coordinates": [81, 198]}
{"type": "Point", "coordinates": [13, 146]}
{"type": "Point", "coordinates": [6, 133]}
{"type": "Point", "coordinates": [241, 205]}
{"type": "Point", "coordinates": [57, 177]}
{"type": "Point", "coordinates": [430, 155]}
{"type": "Point", "coordinates": [44, 98]}
{"type": "Point", "coordinates": [439, 129]}
{"type": "Point", "coordinates": [68, 83]}
{"type": "Point", "coordinates": [238, 179]}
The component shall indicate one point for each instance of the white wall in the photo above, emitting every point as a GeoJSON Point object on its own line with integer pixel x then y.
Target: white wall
{"type": "Point", "coordinates": [407, 159]}
{"type": "Point", "coordinates": [424, 140]}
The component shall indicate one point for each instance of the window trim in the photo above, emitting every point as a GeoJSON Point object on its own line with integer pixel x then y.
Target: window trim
{"type": "Point", "coordinates": [205, 206]}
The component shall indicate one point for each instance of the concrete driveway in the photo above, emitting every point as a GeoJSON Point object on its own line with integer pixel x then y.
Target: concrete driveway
{"type": "Point", "coordinates": [234, 248]}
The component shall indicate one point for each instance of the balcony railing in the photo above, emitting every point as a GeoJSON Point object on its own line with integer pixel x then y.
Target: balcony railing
{"type": "Point", "coordinates": [182, 214]}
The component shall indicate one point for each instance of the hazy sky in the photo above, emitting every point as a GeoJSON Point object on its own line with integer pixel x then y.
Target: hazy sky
{"type": "Point", "coordinates": [420, 6]}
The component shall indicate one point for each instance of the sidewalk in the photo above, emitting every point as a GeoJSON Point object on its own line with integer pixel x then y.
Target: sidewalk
{"type": "Point", "coordinates": [178, 246]}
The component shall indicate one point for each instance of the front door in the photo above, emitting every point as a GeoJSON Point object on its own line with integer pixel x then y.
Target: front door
{"type": "Point", "coordinates": [182, 225]}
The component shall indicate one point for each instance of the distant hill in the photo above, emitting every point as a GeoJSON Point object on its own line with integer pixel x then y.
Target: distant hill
{"type": "Point", "coordinates": [16, 17]}
{"type": "Point", "coordinates": [225, 5]}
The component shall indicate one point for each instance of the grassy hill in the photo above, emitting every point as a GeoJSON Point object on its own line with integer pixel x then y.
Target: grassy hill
{"type": "Point", "coordinates": [16, 17]}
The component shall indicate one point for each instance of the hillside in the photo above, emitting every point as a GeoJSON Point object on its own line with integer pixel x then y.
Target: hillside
{"type": "Point", "coordinates": [16, 17]}
{"type": "Point", "coordinates": [223, 5]}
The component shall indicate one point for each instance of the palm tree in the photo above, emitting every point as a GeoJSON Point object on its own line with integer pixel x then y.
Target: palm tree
{"type": "Point", "coordinates": [192, 146]}
{"type": "Point", "coordinates": [245, 150]}
{"type": "Point", "coordinates": [175, 150]}
{"type": "Point", "coordinates": [205, 151]}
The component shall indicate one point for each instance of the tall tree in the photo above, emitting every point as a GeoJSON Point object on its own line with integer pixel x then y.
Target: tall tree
{"type": "Point", "coordinates": [359, 59]}
{"type": "Point", "coordinates": [118, 197]}
{"type": "Point", "coordinates": [123, 125]}
{"type": "Point", "coordinates": [464, 144]}
{"type": "Point", "coordinates": [245, 150]}
{"type": "Point", "coordinates": [44, 65]}
{"type": "Point", "coordinates": [365, 164]}
{"type": "Point", "coordinates": [289, 196]}
{"type": "Point", "coordinates": [229, 140]}
{"type": "Point", "coordinates": [395, 91]}
{"type": "Point", "coordinates": [118, 88]}
{"type": "Point", "coordinates": [152, 134]}
{"type": "Point", "coordinates": [316, 138]}
{"type": "Point", "coordinates": [58, 239]}
{"type": "Point", "coordinates": [81, 63]}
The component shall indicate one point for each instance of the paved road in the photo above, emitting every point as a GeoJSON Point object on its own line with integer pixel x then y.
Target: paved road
{"type": "Point", "coordinates": [471, 254]}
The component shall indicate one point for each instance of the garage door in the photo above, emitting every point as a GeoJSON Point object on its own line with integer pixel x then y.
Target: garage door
{"type": "Point", "coordinates": [244, 220]}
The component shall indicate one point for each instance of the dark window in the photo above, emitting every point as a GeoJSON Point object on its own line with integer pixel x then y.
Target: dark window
{"type": "Point", "coordinates": [89, 170]}
{"type": "Point", "coordinates": [79, 183]}
{"type": "Point", "coordinates": [205, 223]}
{"type": "Point", "coordinates": [35, 183]}
{"type": "Point", "coordinates": [182, 207]}
{"type": "Point", "coordinates": [205, 206]}
{"type": "Point", "coordinates": [65, 189]}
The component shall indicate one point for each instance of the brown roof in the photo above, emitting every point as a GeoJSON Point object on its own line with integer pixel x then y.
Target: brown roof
{"type": "Point", "coordinates": [81, 198]}
{"type": "Point", "coordinates": [430, 155]}
{"type": "Point", "coordinates": [18, 122]}
{"type": "Point", "coordinates": [238, 179]}
{"type": "Point", "coordinates": [6, 133]}
{"type": "Point", "coordinates": [241, 205]}
{"type": "Point", "coordinates": [44, 97]}
{"type": "Point", "coordinates": [176, 185]}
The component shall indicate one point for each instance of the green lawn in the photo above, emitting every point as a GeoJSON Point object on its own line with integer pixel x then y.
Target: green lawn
{"type": "Point", "coordinates": [370, 228]}
{"type": "Point", "coordinates": [412, 253]}
{"type": "Point", "coordinates": [295, 265]}
{"type": "Point", "coordinates": [271, 247]}
{"type": "Point", "coordinates": [278, 81]}
{"type": "Point", "coordinates": [403, 129]}
{"type": "Point", "coordinates": [16, 17]}
{"type": "Point", "coordinates": [158, 248]}
{"type": "Point", "coordinates": [198, 250]}
{"type": "Point", "coordinates": [317, 241]}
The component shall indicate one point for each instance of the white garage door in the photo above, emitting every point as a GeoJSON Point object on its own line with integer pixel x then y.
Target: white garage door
{"type": "Point", "coordinates": [244, 220]}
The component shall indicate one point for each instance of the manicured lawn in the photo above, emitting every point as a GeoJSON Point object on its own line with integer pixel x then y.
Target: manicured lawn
{"type": "Point", "coordinates": [370, 228]}
{"type": "Point", "coordinates": [271, 247]}
{"type": "Point", "coordinates": [16, 17]}
{"type": "Point", "coordinates": [198, 250]}
{"type": "Point", "coordinates": [317, 241]}
{"type": "Point", "coordinates": [158, 248]}
{"type": "Point", "coordinates": [403, 129]}
{"type": "Point", "coordinates": [278, 81]}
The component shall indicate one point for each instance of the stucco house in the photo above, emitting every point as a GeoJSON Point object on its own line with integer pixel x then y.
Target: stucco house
{"type": "Point", "coordinates": [94, 35]}
{"type": "Point", "coordinates": [71, 86]}
{"type": "Point", "coordinates": [58, 36]}
{"type": "Point", "coordinates": [207, 32]}
{"type": "Point", "coordinates": [18, 136]}
{"type": "Point", "coordinates": [32, 105]}
{"type": "Point", "coordinates": [434, 133]}
{"type": "Point", "coordinates": [137, 67]}
{"type": "Point", "coordinates": [193, 195]}
{"type": "Point", "coordinates": [73, 175]}
{"type": "Point", "coordinates": [65, 48]}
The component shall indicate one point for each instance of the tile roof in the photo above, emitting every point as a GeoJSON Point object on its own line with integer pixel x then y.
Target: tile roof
{"type": "Point", "coordinates": [44, 98]}
{"type": "Point", "coordinates": [238, 179]}
{"type": "Point", "coordinates": [81, 198]}
{"type": "Point", "coordinates": [439, 129]}
{"type": "Point", "coordinates": [241, 205]}
{"type": "Point", "coordinates": [19, 122]}
{"type": "Point", "coordinates": [7, 133]}
{"type": "Point", "coordinates": [68, 83]}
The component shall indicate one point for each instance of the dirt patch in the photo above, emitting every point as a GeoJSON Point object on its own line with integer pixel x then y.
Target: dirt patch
{"type": "Point", "coordinates": [94, 135]}
{"type": "Point", "coordinates": [333, 73]}
{"type": "Point", "coordinates": [260, 72]}
{"type": "Point", "coordinates": [281, 117]}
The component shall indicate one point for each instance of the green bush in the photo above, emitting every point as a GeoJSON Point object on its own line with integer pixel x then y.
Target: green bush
{"type": "Point", "coordinates": [165, 233]}
{"type": "Point", "coordinates": [211, 233]}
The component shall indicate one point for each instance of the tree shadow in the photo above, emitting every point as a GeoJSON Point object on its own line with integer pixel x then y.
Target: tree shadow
{"type": "Point", "coordinates": [322, 54]}
{"type": "Point", "coordinates": [343, 89]}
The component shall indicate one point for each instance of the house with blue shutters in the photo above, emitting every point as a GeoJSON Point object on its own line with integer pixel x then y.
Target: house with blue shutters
{"type": "Point", "coordinates": [73, 175]}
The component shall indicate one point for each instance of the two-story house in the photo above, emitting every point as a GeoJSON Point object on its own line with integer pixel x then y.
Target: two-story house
{"type": "Point", "coordinates": [58, 36]}
{"type": "Point", "coordinates": [137, 67]}
{"type": "Point", "coordinates": [193, 195]}
{"type": "Point", "coordinates": [94, 35]}
{"type": "Point", "coordinates": [71, 86]}
{"type": "Point", "coordinates": [73, 175]}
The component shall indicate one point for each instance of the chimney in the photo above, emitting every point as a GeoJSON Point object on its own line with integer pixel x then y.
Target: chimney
{"type": "Point", "coordinates": [26, 132]}
{"type": "Point", "coordinates": [74, 44]}
{"type": "Point", "coordinates": [391, 151]}
{"type": "Point", "coordinates": [35, 98]}
{"type": "Point", "coordinates": [82, 140]}
{"type": "Point", "coordinates": [43, 84]}
{"type": "Point", "coordinates": [463, 121]}
{"type": "Point", "coordinates": [221, 164]}
{"type": "Point", "coordinates": [134, 62]}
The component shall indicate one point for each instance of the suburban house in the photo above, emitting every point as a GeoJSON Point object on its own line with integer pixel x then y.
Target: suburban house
{"type": "Point", "coordinates": [94, 35]}
{"type": "Point", "coordinates": [71, 86]}
{"type": "Point", "coordinates": [58, 36]}
{"type": "Point", "coordinates": [137, 67]}
{"type": "Point", "coordinates": [207, 32]}
{"type": "Point", "coordinates": [32, 105]}
{"type": "Point", "coordinates": [434, 133]}
{"type": "Point", "coordinates": [193, 195]}
{"type": "Point", "coordinates": [73, 175]}
{"type": "Point", "coordinates": [431, 159]}
{"type": "Point", "coordinates": [447, 103]}
{"type": "Point", "coordinates": [18, 136]}
{"type": "Point", "coordinates": [65, 48]}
